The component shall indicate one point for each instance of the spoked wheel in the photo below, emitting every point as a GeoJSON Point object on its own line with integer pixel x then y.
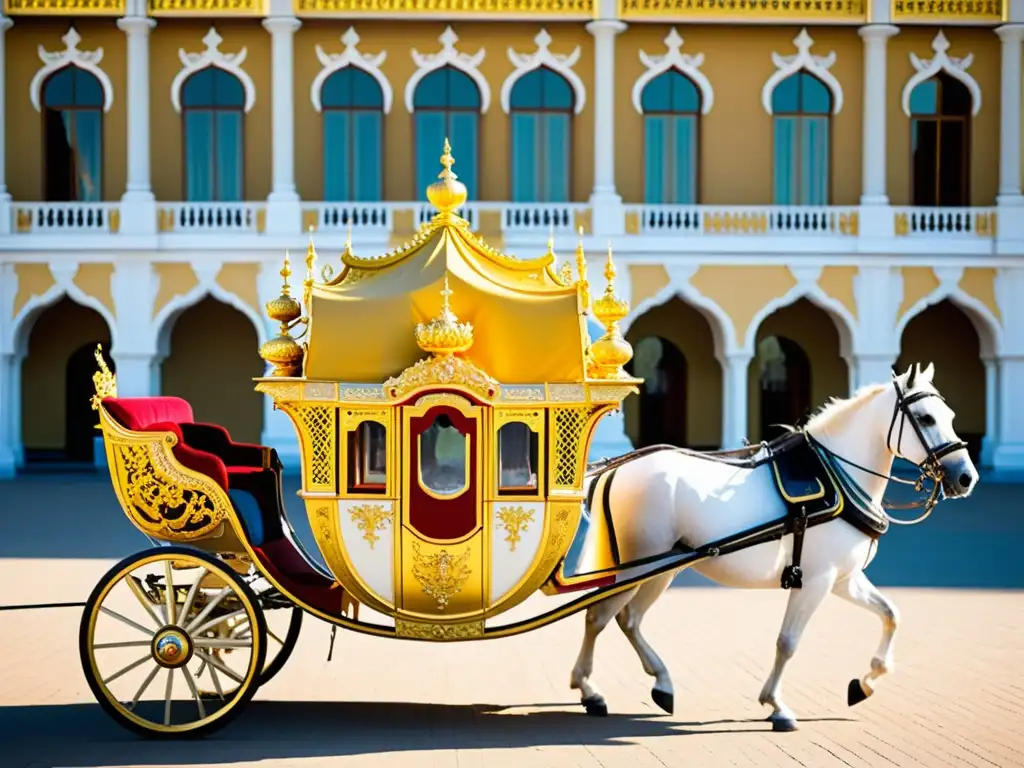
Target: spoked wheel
{"type": "Point", "coordinates": [284, 621]}
{"type": "Point", "coordinates": [163, 625]}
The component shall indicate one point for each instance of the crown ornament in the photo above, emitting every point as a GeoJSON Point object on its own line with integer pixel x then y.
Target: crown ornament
{"type": "Point", "coordinates": [609, 353]}
{"type": "Point", "coordinates": [283, 351]}
{"type": "Point", "coordinates": [447, 194]}
{"type": "Point", "coordinates": [444, 335]}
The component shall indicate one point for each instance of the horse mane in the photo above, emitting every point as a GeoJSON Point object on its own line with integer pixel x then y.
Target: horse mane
{"type": "Point", "coordinates": [839, 407]}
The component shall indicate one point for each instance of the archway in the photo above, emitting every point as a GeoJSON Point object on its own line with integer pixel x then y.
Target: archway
{"type": "Point", "coordinates": [680, 401]}
{"type": "Point", "coordinates": [211, 357]}
{"type": "Point", "coordinates": [943, 334]}
{"type": "Point", "coordinates": [797, 366]}
{"type": "Point", "coordinates": [57, 420]}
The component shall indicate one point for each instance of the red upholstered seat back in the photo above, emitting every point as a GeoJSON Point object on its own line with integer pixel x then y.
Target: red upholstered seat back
{"type": "Point", "coordinates": [164, 414]}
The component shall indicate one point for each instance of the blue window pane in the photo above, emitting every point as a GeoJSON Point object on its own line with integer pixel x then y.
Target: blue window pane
{"type": "Point", "coordinates": [212, 87]}
{"type": "Point", "coordinates": [528, 92]}
{"type": "Point", "coordinates": [558, 94]}
{"type": "Point", "coordinates": [684, 190]}
{"type": "Point", "coordinates": [815, 96]}
{"type": "Point", "coordinates": [462, 131]}
{"type": "Point", "coordinates": [430, 134]}
{"type": "Point", "coordinates": [367, 156]}
{"type": "Point", "coordinates": [229, 156]}
{"type": "Point", "coordinates": [366, 92]}
{"type": "Point", "coordinates": [556, 168]}
{"type": "Point", "coordinates": [657, 157]}
{"type": "Point", "coordinates": [801, 160]}
{"type": "Point", "coordinates": [924, 99]}
{"type": "Point", "coordinates": [684, 93]}
{"type": "Point", "coordinates": [524, 157]}
{"type": "Point", "coordinates": [351, 87]}
{"type": "Point", "coordinates": [59, 89]}
{"type": "Point", "coordinates": [814, 161]}
{"type": "Point", "coordinates": [88, 89]}
{"type": "Point", "coordinates": [786, 96]}
{"type": "Point", "coordinates": [462, 91]}
{"type": "Point", "coordinates": [786, 153]}
{"type": "Point", "coordinates": [198, 156]}
{"type": "Point", "coordinates": [657, 95]}
{"type": "Point", "coordinates": [88, 156]}
{"type": "Point", "coordinates": [446, 88]}
{"type": "Point", "coordinates": [337, 138]}
{"type": "Point", "coordinates": [670, 91]}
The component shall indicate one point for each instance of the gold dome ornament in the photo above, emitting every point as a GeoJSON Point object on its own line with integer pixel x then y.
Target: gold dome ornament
{"type": "Point", "coordinates": [609, 353]}
{"type": "Point", "coordinates": [444, 335]}
{"type": "Point", "coordinates": [283, 352]}
{"type": "Point", "coordinates": [448, 194]}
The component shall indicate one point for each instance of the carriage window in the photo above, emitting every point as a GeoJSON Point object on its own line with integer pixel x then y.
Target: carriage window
{"type": "Point", "coordinates": [517, 458]}
{"type": "Point", "coordinates": [444, 458]}
{"type": "Point", "coordinates": [367, 458]}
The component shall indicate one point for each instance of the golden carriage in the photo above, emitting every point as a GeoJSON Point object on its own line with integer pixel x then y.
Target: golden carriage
{"type": "Point", "coordinates": [444, 395]}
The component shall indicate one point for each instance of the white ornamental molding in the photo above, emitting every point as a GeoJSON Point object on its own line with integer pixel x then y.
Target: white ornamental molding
{"type": "Point", "coordinates": [351, 57]}
{"type": "Point", "coordinates": [674, 58]}
{"type": "Point", "coordinates": [543, 57]}
{"type": "Point", "coordinates": [448, 56]}
{"type": "Point", "coordinates": [803, 60]}
{"type": "Point", "coordinates": [942, 62]}
{"type": "Point", "coordinates": [71, 56]}
{"type": "Point", "coordinates": [213, 57]}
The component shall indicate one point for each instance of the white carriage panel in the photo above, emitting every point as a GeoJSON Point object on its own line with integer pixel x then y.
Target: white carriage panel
{"type": "Point", "coordinates": [517, 528]}
{"type": "Point", "coordinates": [368, 540]}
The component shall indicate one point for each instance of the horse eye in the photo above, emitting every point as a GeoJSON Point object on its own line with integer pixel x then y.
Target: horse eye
{"type": "Point", "coordinates": [926, 420]}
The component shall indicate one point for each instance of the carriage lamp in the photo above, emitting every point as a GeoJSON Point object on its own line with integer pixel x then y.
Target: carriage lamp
{"type": "Point", "coordinates": [609, 353]}
{"type": "Point", "coordinates": [283, 352]}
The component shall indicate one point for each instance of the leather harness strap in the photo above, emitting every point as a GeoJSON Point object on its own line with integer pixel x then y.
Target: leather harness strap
{"type": "Point", "coordinates": [792, 575]}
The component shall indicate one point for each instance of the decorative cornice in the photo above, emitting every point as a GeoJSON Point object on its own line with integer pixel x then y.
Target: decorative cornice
{"type": "Point", "coordinates": [448, 56]}
{"type": "Point", "coordinates": [674, 58]}
{"type": "Point", "coordinates": [213, 57]}
{"type": "Point", "coordinates": [803, 60]}
{"type": "Point", "coordinates": [350, 57]}
{"type": "Point", "coordinates": [71, 56]}
{"type": "Point", "coordinates": [543, 57]}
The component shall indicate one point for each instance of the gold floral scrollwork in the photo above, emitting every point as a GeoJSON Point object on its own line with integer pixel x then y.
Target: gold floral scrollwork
{"type": "Point", "coordinates": [103, 380]}
{"type": "Point", "coordinates": [417, 630]}
{"type": "Point", "coordinates": [371, 518]}
{"type": "Point", "coordinates": [441, 575]}
{"type": "Point", "coordinates": [443, 370]}
{"type": "Point", "coordinates": [515, 521]}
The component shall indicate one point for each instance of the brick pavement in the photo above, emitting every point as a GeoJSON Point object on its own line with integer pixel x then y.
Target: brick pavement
{"type": "Point", "coordinates": [956, 698]}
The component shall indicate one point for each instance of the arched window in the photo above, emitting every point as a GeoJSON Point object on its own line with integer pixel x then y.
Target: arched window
{"type": "Point", "coordinates": [213, 107]}
{"type": "Point", "coordinates": [73, 136]}
{"type": "Point", "coordinates": [447, 104]}
{"type": "Point", "coordinates": [353, 120]}
{"type": "Point", "coordinates": [671, 105]}
{"type": "Point", "coordinates": [801, 105]}
{"type": "Point", "coordinates": [940, 132]}
{"type": "Point", "coordinates": [541, 109]}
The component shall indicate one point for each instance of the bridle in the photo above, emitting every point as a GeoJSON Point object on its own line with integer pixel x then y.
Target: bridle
{"type": "Point", "coordinates": [930, 467]}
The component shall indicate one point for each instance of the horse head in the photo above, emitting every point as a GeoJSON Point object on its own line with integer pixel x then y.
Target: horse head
{"type": "Point", "coordinates": [921, 431]}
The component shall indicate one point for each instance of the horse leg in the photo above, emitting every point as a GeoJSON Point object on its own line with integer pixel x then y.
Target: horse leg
{"type": "Point", "coordinates": [859, 590]}
{"type": "Point", "coordinates": [802, 605]}
{"type": "Point", "coordinates": [629, 619]}
{"type": "Point", "coordinates": [597, 619]}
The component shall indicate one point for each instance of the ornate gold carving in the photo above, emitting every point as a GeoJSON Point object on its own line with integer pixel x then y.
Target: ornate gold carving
{"type": "Point", "coordinates": [418, 630]}
{"type": "Point", "coordinates": [582, 284]}
{"type": "Point", "coordinates": [568, 443]}
{"type": "Point", "coordinates": [849, 224]}
{"type": "Point", "coordinates": [851, 11]}
{"type": "Point", "coordinates": [564, 522]}
{"type": "Point", "coordinates": [320, 390]}
{"type": "Point", "coordinates": [103, 380]}
{"type": "Point", "coordinates": [515, 521]}
{"type": "Point", "coordinates": [361, 393]}
{"type": "Point", "coordinates": [901, 224]}
{"type": "Point", "coordinates": [611, 351]}
{"type": "Point", "coordinates": [442, 370]}
{"type": "Point", "coordinates": [523, 394]}
{"type": "Point", "coordinates": [371, 518]}
{"type": "Point", "coordinates": [280, 391]}
{"type": "Point", "coordinates": [613, 394]}
{"type": "Point", "coordinates": [734, 223]}
{"type": "Point", "coordinates": [444, 335]}
{"type": "Point", "coordinates": [441, 575]}
{"type": "Point", "coordinates": [444, 8]}
{"type": "Point", "coordinates": [330, 547]}
{"type": "Point", "coordinates": [567, 393]}
{"type": "Point", "coordinates": [208, 7]}
{"type": "Point", "coordinates": [65, 7]}
{"type": "Point", "coordinates": [933, 11]}
{"type": "Point", "coordinates": [284, 352]}
{"type": "Point", "coordinates": [985, 224]}
{"type": "Point", "coordinates": [317, 424]}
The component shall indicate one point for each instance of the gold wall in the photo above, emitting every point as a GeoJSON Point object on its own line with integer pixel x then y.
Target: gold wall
{"type": "Point", "coordinates": [23, 126]}
{"type": "Point", "coordinates": [736, 136]}
{"type": "Point", "coordinates": [398, 39]}
{"type": "Point", "coordinates": [167, 126]}
{"type": "Point", "coordinates": [213, 359]}
{"type": "Point", "coordinates": [984, 153]}
{"type": "Point", "coordinates": [58, 332]}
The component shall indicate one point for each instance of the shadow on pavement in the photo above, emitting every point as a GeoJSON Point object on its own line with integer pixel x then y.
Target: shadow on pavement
{"type": "Point", "coordinates": [971, 543]}
{"type": "Point", "coordinates": [305, 729]}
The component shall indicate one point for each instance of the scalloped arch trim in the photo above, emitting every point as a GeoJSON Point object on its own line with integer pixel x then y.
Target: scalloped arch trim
{"type": "Point", "coordinates": [351, 57]}
{"type": "Point", "coordinates": [818, 66]}
{"type": "Point", "coordinates": [71, 56]}
{"type": "Point", "coordinates": [674, 58]}
{"type": "Point", "coordinates": [448, 56]}
{"type": "Point", "coordinates": [543, 57]}
{"type": "Point", "coordinates": [942, 62]}
{"type": "Point", "coordinates": [212, 56]}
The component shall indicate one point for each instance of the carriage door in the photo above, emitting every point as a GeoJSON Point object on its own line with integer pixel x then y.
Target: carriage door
{"type": "Point", "coordinates": [441, 557]}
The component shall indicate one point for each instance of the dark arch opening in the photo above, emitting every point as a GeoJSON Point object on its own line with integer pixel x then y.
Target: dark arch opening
{"type": "Point", "coordinates": [80, 421]}
{"type": "Point", "coordinates": [785, 385]}
{"type": "Point", "coordinates": [663, 395]}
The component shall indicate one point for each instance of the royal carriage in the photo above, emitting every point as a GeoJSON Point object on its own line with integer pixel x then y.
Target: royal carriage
{"type": "Point", "coordinates": [444, 395]}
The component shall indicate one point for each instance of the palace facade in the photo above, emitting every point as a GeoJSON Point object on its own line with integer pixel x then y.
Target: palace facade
{"type": "Point", "coordinates": [799, 195]}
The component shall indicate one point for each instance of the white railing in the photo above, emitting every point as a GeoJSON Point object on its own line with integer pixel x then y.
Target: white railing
{"type": "Point", "coordinates": [334, 217]}
{"type": "Point", "coordinates": [945, 222]}
{"type": "Point", "coordinates": [211, 217]}
{"type": "Point", "coordinates": [770, 220]}
{"type": "Point", "coordinates": [539, 217]}
{"type": "Point", "coordinates": [40, 218]}
{"type": "Point", "coordinates": [426, 211]}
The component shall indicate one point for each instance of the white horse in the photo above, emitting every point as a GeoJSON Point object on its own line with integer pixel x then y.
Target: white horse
{"type": "Point", "coordinates": [669, 496]}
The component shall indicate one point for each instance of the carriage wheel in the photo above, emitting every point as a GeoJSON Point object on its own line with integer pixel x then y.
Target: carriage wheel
{"type": "Point", "coordinates": [160, 626]}
{"type": "Point", "coordinates": [284, 622]}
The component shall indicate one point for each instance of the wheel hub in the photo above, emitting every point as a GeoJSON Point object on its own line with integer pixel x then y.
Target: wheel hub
{"type": "Point", "coordinates": [172, 647]}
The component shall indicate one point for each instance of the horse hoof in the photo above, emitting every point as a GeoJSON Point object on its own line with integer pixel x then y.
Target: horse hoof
{"type": "Point", "coordinates": [595, 706]}
{"type": "Point", "coordinates": [782, 724]}
{"type": "Point", "coordinates": [855, 693]}
{"type": "Point", "coordinates": [664, 700]}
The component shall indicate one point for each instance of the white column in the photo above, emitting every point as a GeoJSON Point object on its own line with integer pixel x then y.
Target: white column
{"type": "Point", "coordinates": [9, 438]}
{"type": "Point", "coordinates": [136, 29]}
{"type": "Point", "coordinates": [991, 439]}
{"type": "Point", "coordinates": [875, 36]}
{"type": "Point", "coordinates": [283, 212]}
{"type": "Point", "coordinates": [5, 197]}
{"type": "Point", "coordinates": [735, 369]}
{"type": "Point", "coordinates": [1010, 117]}
{"type": "Point", "coordinates": [608, 216]}
{"type": "Point", "coordinates": [873, 368]}
{"type": "Point", "coordinates": [1008, 455]}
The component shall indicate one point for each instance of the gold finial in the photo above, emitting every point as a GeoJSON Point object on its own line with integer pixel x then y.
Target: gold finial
{"type": "Point", "coordinates": [448, 193]}
{"type": "Point", "coordinates": [283, 352]}
{"type": "Point", "coordinates": [444, 335]}
{"type": "Point", "coordinates": [611, 351]}
{"type": "Point", "coordinates": [103, 380]}
{"type": "Point", "coordinates": [581, 271]}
